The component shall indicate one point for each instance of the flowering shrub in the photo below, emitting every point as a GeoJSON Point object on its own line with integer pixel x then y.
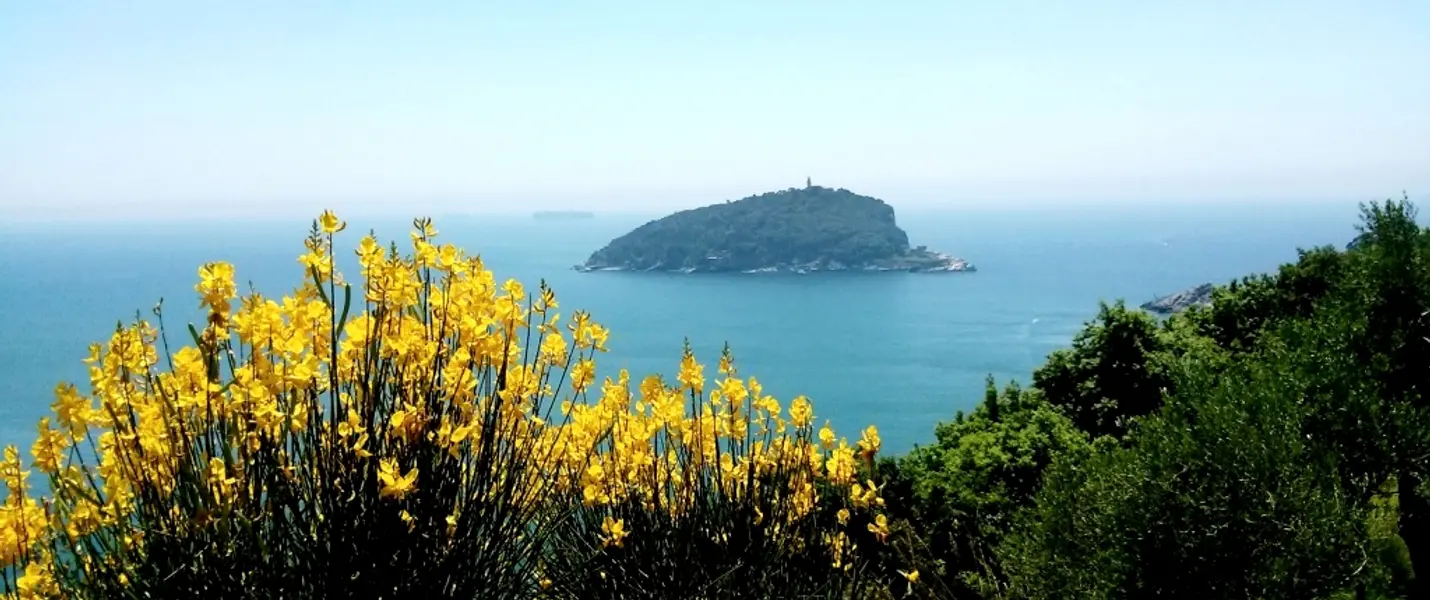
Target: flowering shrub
{"type": "Point", "coordinates": [727, 498]}
{"type": "Point", "coordinates": [424, 433]}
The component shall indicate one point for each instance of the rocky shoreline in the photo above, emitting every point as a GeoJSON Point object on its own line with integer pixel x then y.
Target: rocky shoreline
{"type": "Point", "coordinates": [917, 261]}
{"type": "Point", "coordinates": [1202, 295]}
{"type": "Point", "coordinates": [1180, 301]}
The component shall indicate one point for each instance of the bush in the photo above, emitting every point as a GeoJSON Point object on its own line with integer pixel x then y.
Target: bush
{"type": "Point", "coordinates": [1112, 374]}
{"type": "Point", "coordinates": [728, 504]}
{"type": "Point", "coordinates": [1221, 494]}
{"type": "Point", "coordinates": [433, 437]}
{"type": "Point", "coordinates": [964, 490]}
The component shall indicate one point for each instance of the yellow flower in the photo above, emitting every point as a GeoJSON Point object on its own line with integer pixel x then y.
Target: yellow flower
{"type": "Point", "coordinates": [864, 496]}
{"type": "Point", "coordinates": [329, 222]}
{"type": "Point", "coordinates": [219, 481]}
{"type": "Point", "coordinates": [369, 253]}
{"type": "Point", "coordinates": [49, 448]}
{"type": "Point", "coordinates": [13, 474]}
{"type": "Point", "coordinates": [912, 577]}
{"type": "Point", "coordinates": [826, 437]}
{"type": "Point", "coordinates": [514, 289]}
{"type": "Point", "coordinates": [394, 483]}
{"type": "Point", "coordinates": [72, 410]}
{"type": "Point", "coordinates": [880, 527]}
{"type": "Point", "coordinates": [598, 335]}
{"type": "Point", "coordinates": [614, 531]}
{"type": "Point", "coordinates": [352, 426]}
{"type": "Point", "coordinates": [801, 412]}
{"type": "Point", "coordinates": [583, 374]}
{"type": "Point", "coordinates": [869, 443]}
{"type": "Point", "coordinates": [692, 374]}
{"type": "Point", "coordinates": [37, 583]}
{"type": "Point", "coordinates": [360, 446]}
{"type": "Point", "coordinates": [216, 287]}
{"type": "Point", "coordinates": [840, 466]}
{"type": "Point", "coordinates": [437, 359]}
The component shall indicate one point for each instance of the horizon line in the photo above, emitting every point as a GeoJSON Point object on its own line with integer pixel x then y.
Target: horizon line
{"type": "Point", "coordinates": [307, 210]}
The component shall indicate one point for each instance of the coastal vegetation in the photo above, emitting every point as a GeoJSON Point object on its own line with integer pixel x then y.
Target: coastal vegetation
{"type": "Point", "coordinates": [807, 229]}
{"type": "Point", "coordinates": [430, 432]}
{"type": "Point", "coordinates": [1270, 444]}
{"type": "Point", "coordinates": [425, 432]}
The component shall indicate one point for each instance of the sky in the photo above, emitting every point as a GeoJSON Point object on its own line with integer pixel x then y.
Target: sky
{"type": "Point", "coordinates": [111, 109]}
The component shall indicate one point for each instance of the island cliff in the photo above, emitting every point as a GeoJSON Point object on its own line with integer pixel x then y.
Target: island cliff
{"type": "Point", "coordinates": [1180, 301]}
{"type": "Point", "coordinates": [799, 230]}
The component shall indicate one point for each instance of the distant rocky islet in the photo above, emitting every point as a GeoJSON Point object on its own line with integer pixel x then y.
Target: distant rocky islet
{"type": "Point", "coordinates": [1173, 303]}
{"type": "Point", "coordinates": [798, 230]}
{"type": "Point", "coordinates": [1202, 295]}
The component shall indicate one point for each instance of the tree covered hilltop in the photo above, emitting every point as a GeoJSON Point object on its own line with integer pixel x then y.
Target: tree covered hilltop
{"type": "Point", "coordinates": [797, 230]}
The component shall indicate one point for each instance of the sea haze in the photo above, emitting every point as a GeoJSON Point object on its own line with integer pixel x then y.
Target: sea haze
{"type": "Point", "coordinates": [899, 350]}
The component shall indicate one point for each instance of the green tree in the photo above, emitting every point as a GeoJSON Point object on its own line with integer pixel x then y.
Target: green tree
{"type": "Point", "coordinates": [961, 492]}
{"type": "Point", "coordinates": [1243, 309]}
{"type": "Point", "coordinates": [1219, 495]}
{"type": "Point", "coordinates": [1391, 297]}
{"type": "Point", "coordinates": [1111, 374]}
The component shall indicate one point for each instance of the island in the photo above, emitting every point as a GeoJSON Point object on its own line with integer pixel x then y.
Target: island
{"type": "Point", "coordinates": [1180, 301]}
{"type": "Point", "coordinates": [798, 230]}
{"type": "Point", "coordinates": [562, 215]}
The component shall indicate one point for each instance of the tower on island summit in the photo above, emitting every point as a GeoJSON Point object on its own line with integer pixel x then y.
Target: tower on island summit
{"type": "Point", "coordinates": [807, 182]}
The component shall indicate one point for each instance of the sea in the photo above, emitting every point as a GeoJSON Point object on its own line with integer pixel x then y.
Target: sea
{"type": "Point", "coordinates": [900, 351]}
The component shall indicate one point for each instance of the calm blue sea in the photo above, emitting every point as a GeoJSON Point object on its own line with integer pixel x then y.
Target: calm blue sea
{"type": "Point", "coordinates": [903, 351]}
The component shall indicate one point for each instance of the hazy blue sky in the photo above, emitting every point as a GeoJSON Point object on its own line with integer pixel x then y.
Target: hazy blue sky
{"type": "Point", "coordinates": [192, 107]}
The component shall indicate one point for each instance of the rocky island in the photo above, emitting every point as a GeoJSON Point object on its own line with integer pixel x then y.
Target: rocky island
{"type": "Point", "coordinates": [1180, 301]}
{"type": "Point", "coordinates": [798, 230]}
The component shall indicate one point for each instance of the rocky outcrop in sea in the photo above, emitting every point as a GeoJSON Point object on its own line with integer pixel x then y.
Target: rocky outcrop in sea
{"type": "Point", "coordinates": [1180, 301]}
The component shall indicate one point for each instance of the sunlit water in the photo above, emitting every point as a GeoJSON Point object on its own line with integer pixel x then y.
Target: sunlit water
{"type": "Point", "coordinates": [903, 351]}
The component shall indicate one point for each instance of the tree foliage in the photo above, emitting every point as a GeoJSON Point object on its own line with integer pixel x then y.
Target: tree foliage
{"type": "Point", "coordinates": [1111, 375]}
{"type": "Point", "coordinates": [965, 488]}
{"type": "Point", "coordinates": [1273, 444]}
{"type": "Point", "coordinates": [1243, 309]}
{"type": "Point", "coordinates": [1219, 495]}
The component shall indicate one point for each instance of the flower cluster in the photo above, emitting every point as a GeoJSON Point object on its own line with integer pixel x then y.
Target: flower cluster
{"type": "Point", "coordinates": [425, 431]}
